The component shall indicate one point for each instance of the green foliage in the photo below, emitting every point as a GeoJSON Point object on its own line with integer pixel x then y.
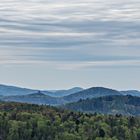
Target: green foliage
{"type": "Point", "coordinates": [32, 122]}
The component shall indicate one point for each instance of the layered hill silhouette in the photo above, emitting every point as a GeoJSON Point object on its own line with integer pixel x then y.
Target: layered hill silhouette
{"type": "Point", "coordinates": [61, 93]}
{"type": "Point", "coordinates": [95, 99]}
{"type": "Point", "coordinates": [91, 93]}
{"type": "Point", "coordinates": [35, 98]}
{"type": "Point", "coordinates": [6, 90]}
{"type": "Point", "coordinates": [40, 97]}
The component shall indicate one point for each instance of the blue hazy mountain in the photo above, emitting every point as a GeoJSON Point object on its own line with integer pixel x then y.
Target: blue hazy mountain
{"type": "Point", "coordinates": [91, 93]}
{"type": "Point", "coordinates": [60, 93]}
{"type": "Point", "coordinates": [13, 90]}
{"type": "Point", "coordinates": [57, 97]}
{"type": "Point", "coordinates": [131, 92]}
{"type": "Point", "coordinates": [6, 90]}
{"type": "Point", "coordinates": [41, 97]}
{"type": "Point", "coordinates": [34, 98]}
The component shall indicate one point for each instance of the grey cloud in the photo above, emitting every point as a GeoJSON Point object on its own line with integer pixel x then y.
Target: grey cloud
{"type": "Point", "coordinates": [95, 30]}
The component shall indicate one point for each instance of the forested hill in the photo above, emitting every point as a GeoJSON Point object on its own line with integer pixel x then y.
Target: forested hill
{"type": "Point", "coordinates": [34, 98]}
{"type": "Point", "coordinates": [32, 122]}
{"type": "Point", "coordinates": [91, 93]}
{"type": "Point", "coordinates": [127, 105]}
{"type": "Point", "coordinates": [42, 98]}
{"type": "Point", "coordinates": [57, 97]}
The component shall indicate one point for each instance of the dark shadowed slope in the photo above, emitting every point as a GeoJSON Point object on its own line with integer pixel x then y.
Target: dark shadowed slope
{"type": "Point", "coordinates": [127, 105]}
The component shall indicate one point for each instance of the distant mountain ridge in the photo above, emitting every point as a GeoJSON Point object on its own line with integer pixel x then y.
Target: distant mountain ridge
{"type": "Point", "coordinates": [60, 93]}
{"type": "Point", "coordinates": [57, 97]}
{"type": "Point", "coordinates": [91, 93]}
{"type": "Point", "coordinates": [34, 98]}
{"type": "Point", "coordinates": [6, 90]}
{"type": "Point", "coordinates": [40, 97]}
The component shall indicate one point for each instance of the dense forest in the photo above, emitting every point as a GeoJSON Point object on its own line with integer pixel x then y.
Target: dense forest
{"type": "Point", "coordinates": [118, 104]}
{"type": "Point", "coordinates": [33, 122]}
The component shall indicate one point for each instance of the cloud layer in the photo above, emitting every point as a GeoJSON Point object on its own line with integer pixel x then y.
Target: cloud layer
{"type": "Point", "coordinates": [73, 34]}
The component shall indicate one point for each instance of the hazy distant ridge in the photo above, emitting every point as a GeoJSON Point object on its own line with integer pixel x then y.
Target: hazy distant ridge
{"type": "Point", "coordinates": [58, 97]}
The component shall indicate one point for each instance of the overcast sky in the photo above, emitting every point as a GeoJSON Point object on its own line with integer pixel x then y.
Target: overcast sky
{"type": "Point", "coordinates": [54, 44]}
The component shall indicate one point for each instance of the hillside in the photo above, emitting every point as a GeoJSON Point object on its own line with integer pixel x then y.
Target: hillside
{"type": "Point", "coordinates": [91, 93]}
{"type": "Point", "coordinates": [41, 97]}
{"type": "Point", "coordinates": [131, 92]}
{"type": "Point", "coordinates": [16, 94]}
{"type": "Point", "coordinates": [126, 105]}
{"type": "Point", "coordinates": [13, 90]}
{"type": "Point", "coordinates": [34, 98]}
{"type": "Point", "coordinates": [20, 121]}
{"type": "Point", "coordinates": [6, 90]}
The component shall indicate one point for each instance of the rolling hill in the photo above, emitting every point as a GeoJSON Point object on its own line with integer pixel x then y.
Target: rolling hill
{"type": "Point", "coordinates": [91, 93]}
{"type": "Point", "coordinates": [39, 97]}
{"type": "Point", "coordinates": [6, 90]}
{"type": "Point", "coordinates": [34, 98]}
{"type": "Point", "coordinates": [61, 93]}
{"type": "Point", "coordinates": [57, 97]}
{"type": "Point", "coordinates": [126, 105]}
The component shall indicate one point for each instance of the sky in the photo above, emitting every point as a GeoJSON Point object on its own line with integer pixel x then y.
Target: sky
{"type": "Point", "coordinates": [57, 44]}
